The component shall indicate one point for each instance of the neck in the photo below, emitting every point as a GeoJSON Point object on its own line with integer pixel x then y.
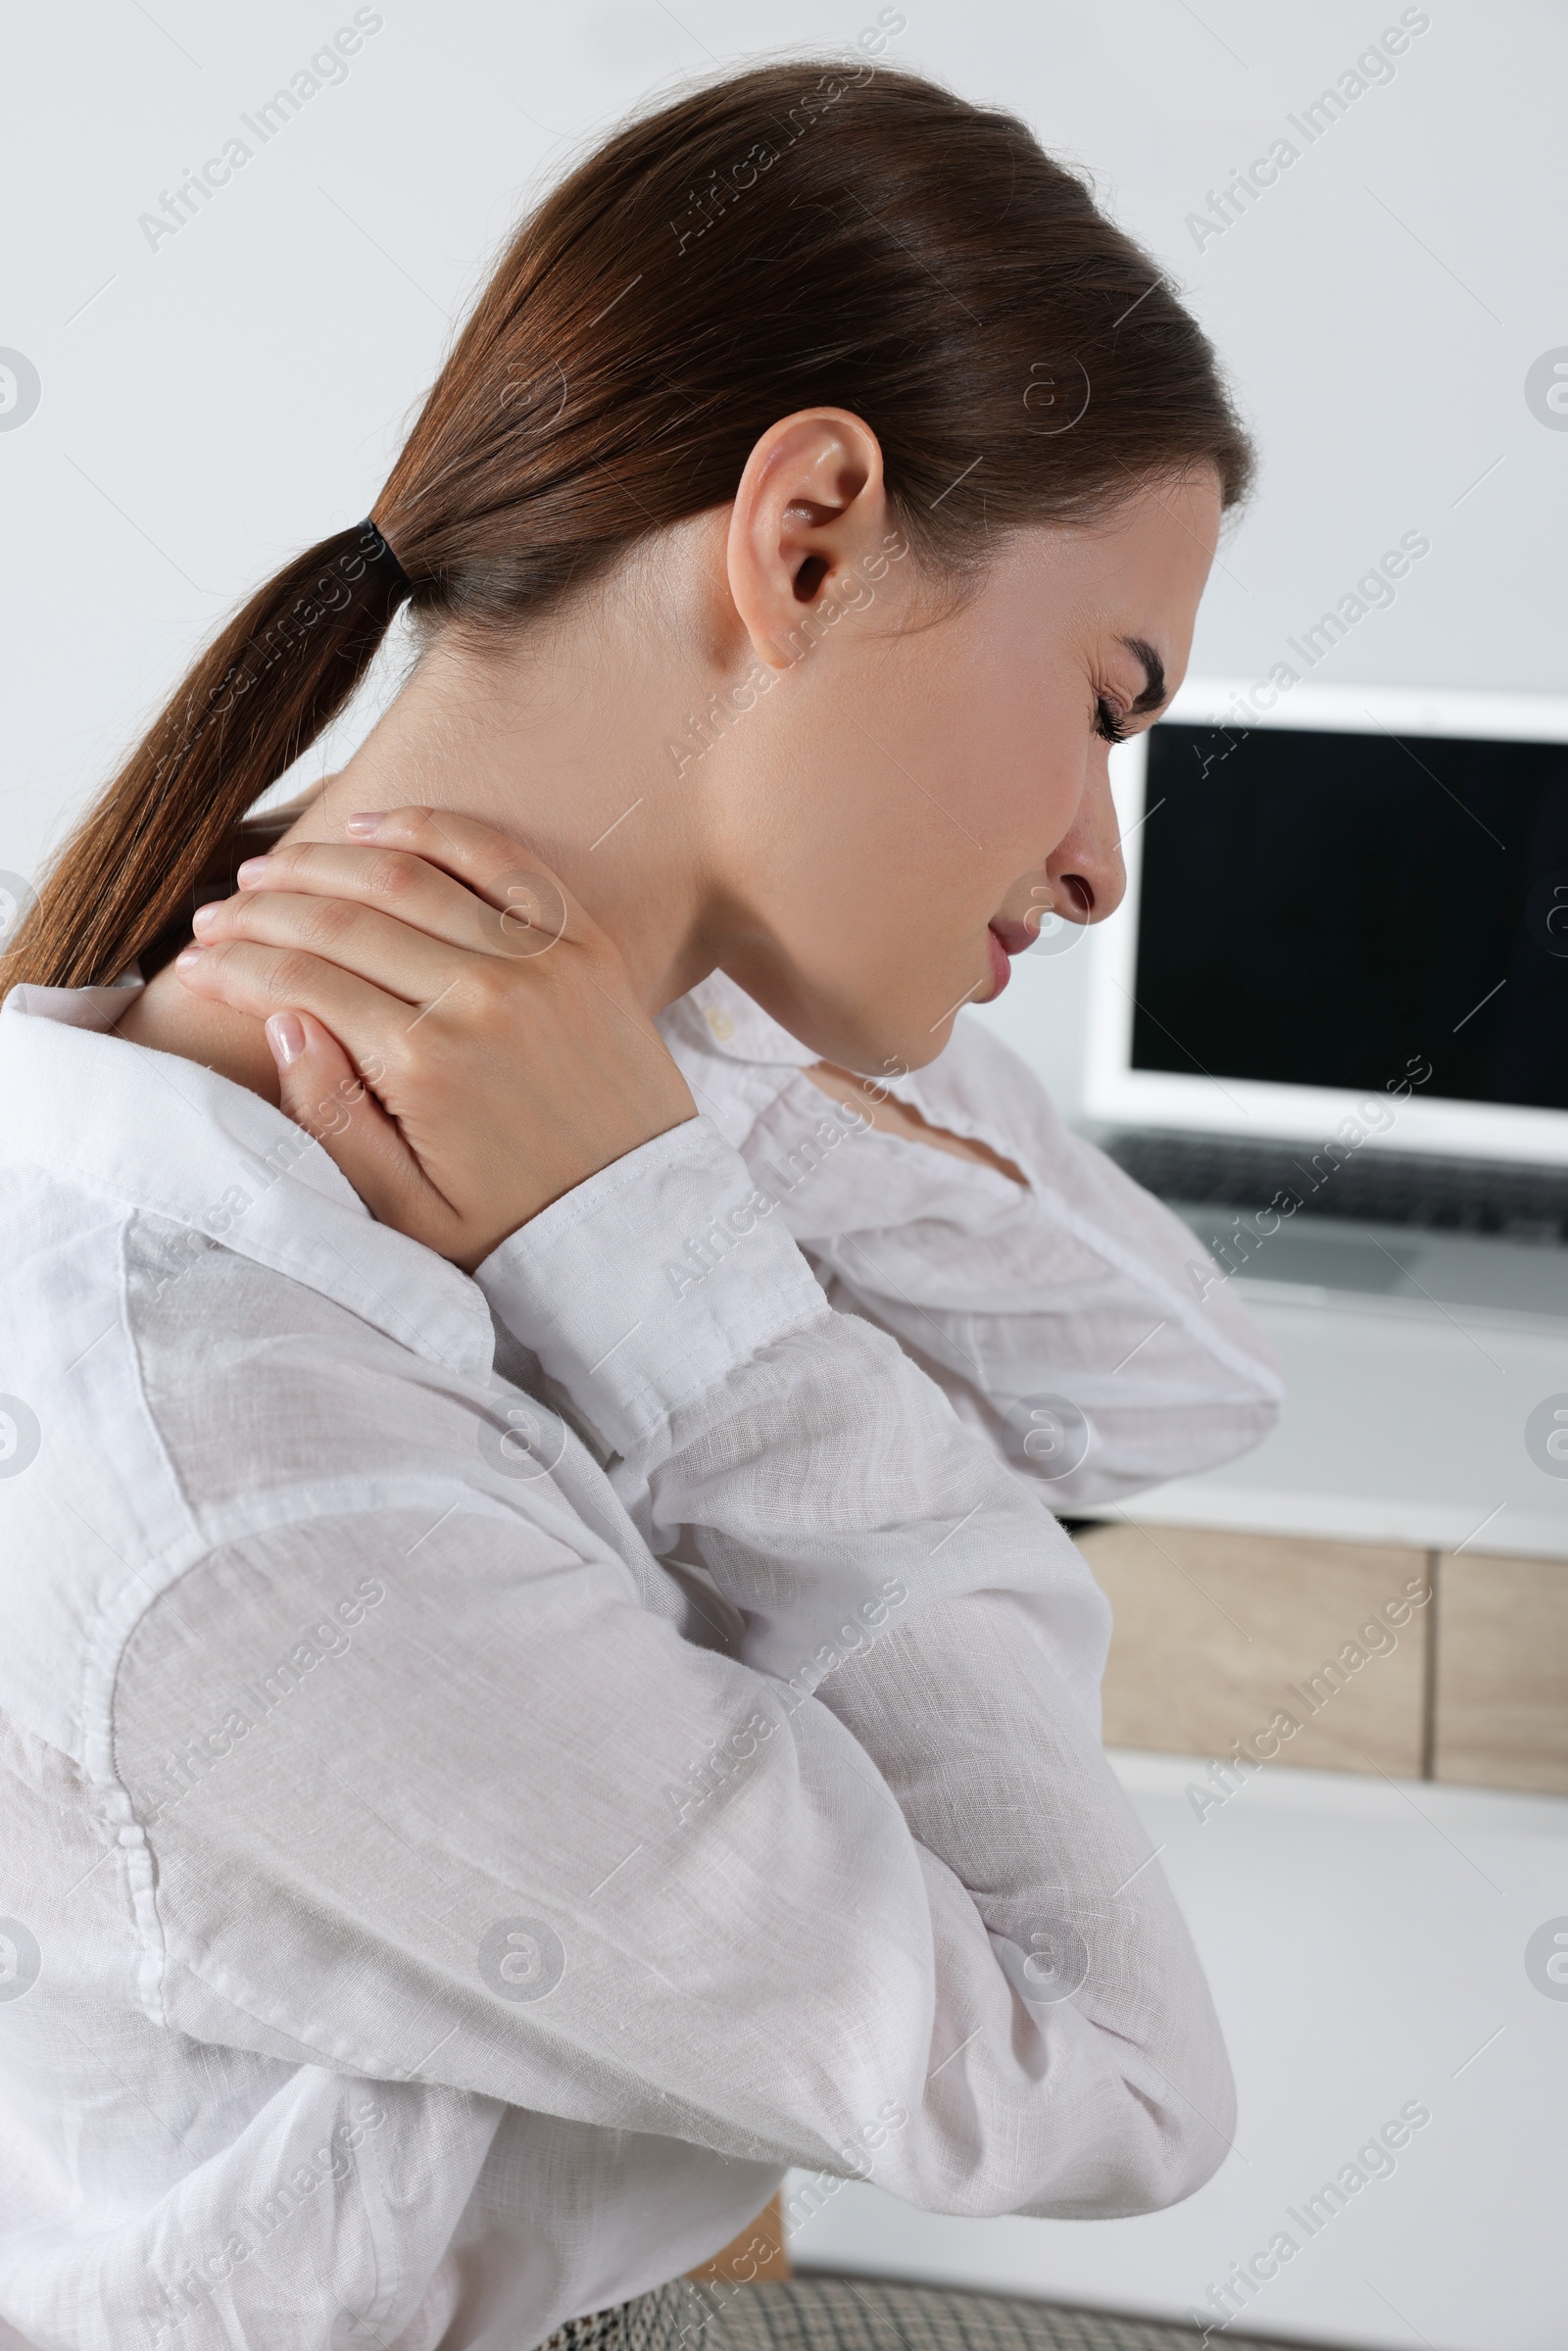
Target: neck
{"type": "Point", "coordinates": [559, 740]}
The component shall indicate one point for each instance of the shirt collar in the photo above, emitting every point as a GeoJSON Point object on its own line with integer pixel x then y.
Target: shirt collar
{"type": "Point", "coordinates": [721, 1017]}
{"type": "Point", "coordinates": [175, 1138]}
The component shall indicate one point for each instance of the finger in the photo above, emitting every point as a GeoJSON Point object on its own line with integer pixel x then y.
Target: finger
{"type": "Point", "coordinates": [363, 940]}
{"type": "Point", "coordinates": [371, 1027]}
{"type": "Point", "coordinates": [534, 902]}
{"type": "Point", "coordinates": [322, 1091]}
{"type": "Point", "coordinates": [419, 895]}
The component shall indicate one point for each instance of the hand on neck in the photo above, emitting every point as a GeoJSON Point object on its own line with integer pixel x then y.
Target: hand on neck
{"type": "Point", "coordinates": [562, 735]}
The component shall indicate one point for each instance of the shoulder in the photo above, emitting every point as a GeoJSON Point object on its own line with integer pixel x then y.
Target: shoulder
{"type": "Point", "coordinates": [280, 1409]}
{"type": "Point", "coordinates": [171, 1399]}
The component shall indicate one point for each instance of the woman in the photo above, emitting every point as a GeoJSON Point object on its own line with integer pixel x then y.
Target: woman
{"type": "Point", "coordinates": [544, 1685]}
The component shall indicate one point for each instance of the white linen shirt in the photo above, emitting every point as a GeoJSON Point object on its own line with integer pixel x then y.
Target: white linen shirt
{"type": "Point", "coordinates": [494, 1770]}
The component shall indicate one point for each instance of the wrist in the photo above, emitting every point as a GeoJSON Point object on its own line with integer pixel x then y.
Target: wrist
{"type": "Point", "coordinates": [646, 1286]}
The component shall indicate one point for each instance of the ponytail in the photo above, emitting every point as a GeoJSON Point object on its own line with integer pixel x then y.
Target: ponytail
{"type": "Point", "coordinates": [279, 672]}
{"type": "Point", "coordinates": [803, 235]}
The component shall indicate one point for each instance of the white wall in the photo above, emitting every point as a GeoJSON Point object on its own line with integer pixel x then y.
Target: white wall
{"type": "Point", "coordinates": [210, 406]}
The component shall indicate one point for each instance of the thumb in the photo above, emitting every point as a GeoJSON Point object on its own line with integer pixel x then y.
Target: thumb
{"type": "Point", "coordinates": [322, 1091]}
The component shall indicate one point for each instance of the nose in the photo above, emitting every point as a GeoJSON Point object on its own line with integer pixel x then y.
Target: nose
{"type": "Point", "coordinates": [1085, 868]}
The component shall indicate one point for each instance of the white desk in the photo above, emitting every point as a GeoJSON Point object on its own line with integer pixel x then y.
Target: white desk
{"type": "Point", "coordinates": [1366, 1945]}
{"type": "Point", "coordinates": [1401, 1424]}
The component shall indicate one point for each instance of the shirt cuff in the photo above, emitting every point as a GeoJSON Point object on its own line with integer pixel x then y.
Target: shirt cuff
{"type": "Point", "coordinates": [649, 1284]}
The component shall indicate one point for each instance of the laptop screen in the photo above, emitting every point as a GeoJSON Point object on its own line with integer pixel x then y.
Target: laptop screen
{"type": "Point", "coordinates": [1321, 908]}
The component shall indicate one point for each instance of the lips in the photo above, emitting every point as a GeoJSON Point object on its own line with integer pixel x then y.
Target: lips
{"type": "Point", "coordinates": [1001, 967]}
{"type": "Point", "coordinates": [1015, 937]}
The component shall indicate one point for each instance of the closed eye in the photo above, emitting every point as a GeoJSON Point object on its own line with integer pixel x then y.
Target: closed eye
{"type": "Point", "coordinates": [1107, 724]}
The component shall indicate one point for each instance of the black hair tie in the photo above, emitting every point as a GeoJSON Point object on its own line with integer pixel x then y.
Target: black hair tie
{"type": "Point", "coordinates": [379, 557]}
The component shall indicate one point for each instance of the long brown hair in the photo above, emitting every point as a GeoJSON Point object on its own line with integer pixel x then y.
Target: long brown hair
{"type": "Point", "coordinates": [801, 236]}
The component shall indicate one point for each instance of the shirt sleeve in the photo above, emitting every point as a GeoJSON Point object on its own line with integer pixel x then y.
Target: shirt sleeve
{"type": "Point", "coordinates": [1074, 1319]}
{"type": "Point", "coordinates": [884, 1568]}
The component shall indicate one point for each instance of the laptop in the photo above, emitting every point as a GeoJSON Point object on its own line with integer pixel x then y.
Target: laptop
{"type": "Point", "coordinates": [1330, 1025]}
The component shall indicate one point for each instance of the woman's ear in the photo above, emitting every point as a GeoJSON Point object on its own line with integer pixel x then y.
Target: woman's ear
{"type": "Point", "coordinates": [811, 504]}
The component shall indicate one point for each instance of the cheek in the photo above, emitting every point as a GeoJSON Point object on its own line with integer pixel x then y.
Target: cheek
{"type": "Point", "coordinates": [1012, 751]}
{"type": "Point", "coordinates": [1034, 784]}
{"type": "Point", "coordinates": [890, 883]}
{"type": "Point", "coordinates": [997, 745]}
{"type": "Point", "coordinates": [1039, 747]}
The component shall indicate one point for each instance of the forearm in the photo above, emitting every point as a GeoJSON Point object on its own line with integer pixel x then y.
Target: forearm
{"type": "Point", "coordinates": [884, 1564]}
{"type": "Point", "coordinates": [999, 1769]}
{"type": "Point", "coordinates": [1067, 1284]}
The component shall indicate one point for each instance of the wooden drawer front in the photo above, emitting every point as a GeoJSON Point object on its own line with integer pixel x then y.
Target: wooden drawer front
{"type": "Point", "coordinates": [1503, 1673]}
{"type": "Point", "coordinates": [1291, 1651]}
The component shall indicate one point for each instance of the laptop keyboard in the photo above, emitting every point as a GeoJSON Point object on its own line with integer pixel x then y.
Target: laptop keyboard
{"type": "Point", "coordinates": [1375, 1186]}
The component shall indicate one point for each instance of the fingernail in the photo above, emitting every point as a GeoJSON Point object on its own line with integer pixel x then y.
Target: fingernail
{"type": "Point", "coordinates": [285, 1034]}
{"type": "Point", "coordinates": [204, 916]}
{"type": "Point", "coordinates": [367, 822]}
{"type": "Point", "coordinates": [251, 871]}
{"type": "Point", "coordinates": [188, 955]}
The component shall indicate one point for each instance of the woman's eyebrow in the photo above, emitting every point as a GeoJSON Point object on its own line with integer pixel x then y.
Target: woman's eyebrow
{"type": "Point", "coordinates": [1153, 693]}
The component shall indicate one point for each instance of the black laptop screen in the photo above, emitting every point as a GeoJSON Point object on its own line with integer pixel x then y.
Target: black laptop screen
{"type": "Point", "coordinates": [1321, 909]}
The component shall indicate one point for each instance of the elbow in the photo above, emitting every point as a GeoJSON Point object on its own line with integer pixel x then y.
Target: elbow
{"type": "Point", "coordinates": [1144, 2135]}
{"type": "Point", "coordinates": [1165, 2115]}
{"type": "Point", "coordinates": [1156, 2149]}
{"type": "Point", "coordinates": [1241, 1401]}
{"type": "Point", "coordinates": [1253, 1421]}
{"type": "Point", "coordinates": [1253, 1393]}
{"type": "Point", "coordinates": [1191, 2145]}
{"type": "Point", "coordinates": [1231, 1426]}
{"type": "Point", "coordinates": [1179, 2080]}
{"type": "Point", "coordinates": [1179, 2118]}
{"type": "Point", "coordinates": [1186, 1438]}
{"type": "Point", "coordinates": [1144, 2159]}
